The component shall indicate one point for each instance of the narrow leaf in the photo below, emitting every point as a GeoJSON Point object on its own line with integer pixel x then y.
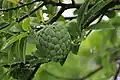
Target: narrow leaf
{"type": "Point", "coordinates": [97, 7]}
{"type": "Point", "coordinates": [13, 55]}
{"type": "Point", "coordinates": [23, 43]}
{"type": "Point", "coordinates": [10, 54]}
{"type": "Point", "coordinates": [17, 50]}
{"type": "Point", "coordinates": [3, 25]}
{"type": "Point", "coordinates": [12, 39]}
{"type": "Point", "coordinates": [82, 10]}
{"type": "Point", "coordinates": [101, 26]}
{"type": "Point", "coordinates": [1, 1]}
{"type": "Point", "coordinates": [7, 26]}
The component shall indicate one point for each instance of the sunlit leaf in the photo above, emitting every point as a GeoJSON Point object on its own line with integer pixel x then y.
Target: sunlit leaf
{"type": "Point", "coordinates": [14, 1]}
{"type": "Point", "coordinates": [55, 71]}
{"type": "Point", "coordinates": [115, 21]}
{"type": "Point", "coordinates": [109, 67]}
{"type": "Point", "coordinates": [26, 24]}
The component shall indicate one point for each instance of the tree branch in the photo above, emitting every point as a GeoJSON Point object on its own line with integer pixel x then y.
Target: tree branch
{"type": "Point", "coordinates": [70, 18]}
{"type": "Point", "coordinates": [14, 8]}
{"type": "Point", "coordinates": [70, 5]}
{"type": "Point", "coordinates": [91, 73]}
{"type": "Point", "coordinates": [73, 2]}
{"type": "Point", "coordinates": [26, 15]}
{"type": "Point", "coordinates": [56, 16]}
{"type": "Point", "coordinates": [49, 2]}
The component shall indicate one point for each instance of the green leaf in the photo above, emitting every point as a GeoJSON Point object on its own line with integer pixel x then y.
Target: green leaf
{"type": "Point", "coordinates": [14, 1]}
{"type": "Point", "coordinates": [82, 10]}
{"type": "Point", "coordinates": [7, 15]}
{"type": "Point", "coordinates": [30, 48]}
{"type": "Point", "coordinates": [54, 71]}
{"type": "Point", "coordinates": [8, 26]}
{"type": "Point", "coordinates": [111, 14]}
{"type": "Point", "coordinates": [109, 67]}
{"type": "Point", "coordinates": [23, 43]}
{"type": "Point", "coordinates": [5, 76]}
{"type": "Point", "coordinates": [51, 10]}
{"type": "Point", "coordinates": [20, 73]}
{"type": "Point", "coordinates": [1, 1]}
{"type": "Point", "coordinates": [13, 55]}
{"type": "Point", "coordinates": [98, 6]}
{"type": "Point", "coordinates": [79, 1]}
{"type": "Point", "coordinates": [101, 26]}
{"type": "Point", "coordinates": [17, 51]}
{"type": "Point", "coordinates": [26, 24]}
{"type": "Point", "coordinates": [12, 39]}
{"type": "Point", "coordinates": [3, 25]}
{"type": "Point", "coordinates": [72, 28]}
{"type": "Point", "coordinates": [39, 15]}
{"type": "Point", "coordinates": [34, 21]}
{"type": "Point", "coordinates": [115, 21]}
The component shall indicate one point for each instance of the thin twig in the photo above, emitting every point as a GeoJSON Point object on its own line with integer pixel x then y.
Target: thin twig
{"type": "Point", "coordinates": [4, 26]}
{"type": "Point", "coordinates": [56, 16]}
{"type": "Point", "coordinates": [91, 73]}
{"type": "Point", "coordinates": [49, 2]}
{"type": "Point", "coordinates": [70, 18]}
{"type": "Point", "coordinates": [26, 15]}
{"type": "Point", "coordinates": [14, 8]}
{"type": "Point", "coordinates": [88, 33]}
{"type": "Point", "coordinates": [64, 4]}
{"type": "Point", "coordinates": [100, 18]}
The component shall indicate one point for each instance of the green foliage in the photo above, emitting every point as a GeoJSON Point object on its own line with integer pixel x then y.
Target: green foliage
{"type": "Point", "coordinates": [101, 26]}
{"type": "Point", "coordinates": [58, 47]}
{"type": "Point", "coordinates": [81, 12]}
{"type": "Point", "coordinates": [20, 73]}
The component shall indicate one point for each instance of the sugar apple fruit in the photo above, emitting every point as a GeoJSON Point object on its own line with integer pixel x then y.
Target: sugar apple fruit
{"type": "Point", "coordinates": [53, 42]}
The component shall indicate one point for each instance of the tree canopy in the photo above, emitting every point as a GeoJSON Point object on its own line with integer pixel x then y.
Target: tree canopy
{"type": "Point", "coordinates": [86, 46]}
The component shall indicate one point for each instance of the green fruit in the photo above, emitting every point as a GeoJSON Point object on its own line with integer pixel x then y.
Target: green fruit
{"type": "Point", "coordinates": [53, 42]}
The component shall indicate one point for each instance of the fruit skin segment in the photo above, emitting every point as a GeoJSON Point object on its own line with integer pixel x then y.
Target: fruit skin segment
{"type": "Point", "coordinates": [53, 43]}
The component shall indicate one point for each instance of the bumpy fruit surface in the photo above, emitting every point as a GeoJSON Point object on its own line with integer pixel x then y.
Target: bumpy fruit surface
{"type": "Point", "coordinates": [53, 42]}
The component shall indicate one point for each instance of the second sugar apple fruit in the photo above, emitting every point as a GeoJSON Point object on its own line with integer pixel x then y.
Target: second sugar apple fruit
{"type": "Point", "coordinates": [53, 42]}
